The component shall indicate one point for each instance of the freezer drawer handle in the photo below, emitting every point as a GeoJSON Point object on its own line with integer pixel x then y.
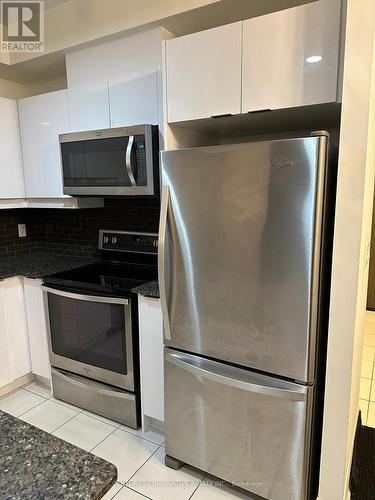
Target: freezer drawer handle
{"type": "Point", "coordinates": [188, 363]}
{"type": "Point", "coordinates": [162, 259]}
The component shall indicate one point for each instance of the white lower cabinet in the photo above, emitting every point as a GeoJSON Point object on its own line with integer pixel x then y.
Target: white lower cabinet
{"type": "Point", "coordinates": [37, 328]}
{"type": "Point", "coordinates": [14, 353]}
{"type": "Point", "coordinates": [151, 358]}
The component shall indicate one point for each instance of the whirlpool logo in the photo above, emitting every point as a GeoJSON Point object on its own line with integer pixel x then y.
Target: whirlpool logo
{"type": "Point", "coordinates": [281, 163]}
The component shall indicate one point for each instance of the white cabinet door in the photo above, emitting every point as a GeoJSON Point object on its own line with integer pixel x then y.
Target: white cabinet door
{"type": "Point", "coordinates": [11, 173]}
{"type": "Point", "coordinates": [291, 57]}
{"type": "Point", "coordinates": [134, 101]}
{"type": "Point", "coordinates": [37, 327]}
{"type": "Point", "coordinates": [203, 73]}
{"type": "Point", "coordinates": [15, 321]}
{"type": "Point", "coordinates": [88, 107]}
{"type": "Point", "coordinates": [42, 119]}
{"type": "Point", "coordinates": [151, 354]}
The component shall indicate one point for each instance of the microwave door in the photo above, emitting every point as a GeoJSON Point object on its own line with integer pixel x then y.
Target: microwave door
{"type": "Point", "coordinates": [111, 162]}
{"type": "Point", "coordinates": [99, 166]}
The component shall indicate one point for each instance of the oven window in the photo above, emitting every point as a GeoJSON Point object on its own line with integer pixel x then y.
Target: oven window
{"type": "Point", "coordinates": [90, 332]}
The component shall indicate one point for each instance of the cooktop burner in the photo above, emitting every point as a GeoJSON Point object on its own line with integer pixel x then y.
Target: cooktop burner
{"type": "Point", "coordinates": [128, 260]}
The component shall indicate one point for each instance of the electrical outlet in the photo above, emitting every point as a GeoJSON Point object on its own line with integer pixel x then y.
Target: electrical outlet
{"type": "Point", "coordinates": [22, 230]}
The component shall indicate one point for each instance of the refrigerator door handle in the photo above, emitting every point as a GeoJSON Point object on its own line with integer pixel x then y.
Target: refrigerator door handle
{"type": "Point", "coordinates": [209, 370]}
{"type": "Point", "coordinates": [162, 261]}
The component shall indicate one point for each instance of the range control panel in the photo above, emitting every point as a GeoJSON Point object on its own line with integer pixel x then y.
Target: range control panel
{"type": "Point", "coordinates": [123, 241]}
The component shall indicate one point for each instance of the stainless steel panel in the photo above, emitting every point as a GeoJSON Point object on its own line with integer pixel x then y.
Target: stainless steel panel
{"type": "Point", "coordinates": [240, 426]}
{"type": "Point", "coordinates": [106, 133]}
{"type": "Point", "coordinates": [101, 399]}
{"type": "Point", "coordinates": [242, 252]}
{"type": "Point", "coordinates": [122, 380]}
{"type": "Point", "coordinates": [132, 190]}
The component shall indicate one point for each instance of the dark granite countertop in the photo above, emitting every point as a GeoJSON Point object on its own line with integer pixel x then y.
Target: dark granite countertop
{"type": "Point", "coordinates": [38, 265]}
{"type": "Point", "coordinates": [150, 289]}
{"type": "Point", "coordinates": [38, 465]}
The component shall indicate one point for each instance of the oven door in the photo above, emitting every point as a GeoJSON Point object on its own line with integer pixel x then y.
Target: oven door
{"type": "Point", "coordinates": [91, 336]}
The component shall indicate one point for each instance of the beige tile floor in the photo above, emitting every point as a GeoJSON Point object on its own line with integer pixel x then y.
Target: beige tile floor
{"type": "Point", "coordinates": [138, 456]}
{"type": "Point", "coordinates": [367, 387]}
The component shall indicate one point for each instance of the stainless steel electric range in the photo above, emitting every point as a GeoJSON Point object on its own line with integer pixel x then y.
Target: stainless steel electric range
{"type": "Point", "coordinates": [92, 318]}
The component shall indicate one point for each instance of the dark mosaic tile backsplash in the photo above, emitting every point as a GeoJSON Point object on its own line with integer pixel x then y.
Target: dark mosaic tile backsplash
{"type": "Point", "coordinates": [74, 232]}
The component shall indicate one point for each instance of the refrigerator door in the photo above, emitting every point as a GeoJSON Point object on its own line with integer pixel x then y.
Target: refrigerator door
{"type": "Point", "coordinates": [239, 252]}
{"type": "Point", "coordinates": [238, 425]}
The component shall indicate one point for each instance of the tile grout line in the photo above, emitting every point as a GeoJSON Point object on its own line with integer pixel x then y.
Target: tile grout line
{"type": "Point", "coordinates": [201, 481]}
{"type": "Point", "coordinates": [100, 442]}
{"type": "Point", "coordinates": [23, 413]}
{"type": "Point", "coordinates": [36, 393]}
{"type": "Point", "coordinates": [139, 468]}
{"type": "Point", "coordinates": [57, 428]}
{"type": "Point", "coordinates": [141, 437]}
{"type": "Point", "coordinates": [135, 491]}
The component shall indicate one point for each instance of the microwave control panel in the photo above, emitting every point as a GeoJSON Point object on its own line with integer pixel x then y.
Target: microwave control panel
{"type": "Point", "coordinates": [140, 159]}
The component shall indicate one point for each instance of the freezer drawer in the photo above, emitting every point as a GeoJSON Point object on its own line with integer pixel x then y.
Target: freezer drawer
{"type": "Point", "coordinates": [249, 429]}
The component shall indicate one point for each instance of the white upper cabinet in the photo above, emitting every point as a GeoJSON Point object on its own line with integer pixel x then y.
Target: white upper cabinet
{"type": "Point", "coordinates": [114, 83]}
{"type": "Point", "coordinates": [134, 101]}
{"type": "Point", "coordinates": [42, 119]}
{"type": "Point", "coordinates": [203, 73]}
{"type": "Point", "coordinates": [11, 173]}
{"type": "Point", "coordinates": [291, 57]}
{"type": "Point", "coordinates": [88, 107]}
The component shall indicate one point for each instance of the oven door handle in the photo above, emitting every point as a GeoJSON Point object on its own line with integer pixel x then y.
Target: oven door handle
{"type": "Point", "coordinates": [87, 298]}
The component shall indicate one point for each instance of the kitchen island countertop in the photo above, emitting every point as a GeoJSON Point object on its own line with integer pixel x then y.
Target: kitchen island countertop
{"type": "Point", "coordinates": [38, 465]}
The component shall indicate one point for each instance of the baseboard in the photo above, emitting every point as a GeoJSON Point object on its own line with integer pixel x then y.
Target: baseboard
{"type": "Point", "coordinates": [16, 384]}
{"type": "Point", "coordinates": [150, 423]}
{"type": "Point", "coordinates": [43, 380]}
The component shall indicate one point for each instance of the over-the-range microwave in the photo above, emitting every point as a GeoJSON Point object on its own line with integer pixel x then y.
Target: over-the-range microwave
{"type": "Point", "coordinates": [111, 162]}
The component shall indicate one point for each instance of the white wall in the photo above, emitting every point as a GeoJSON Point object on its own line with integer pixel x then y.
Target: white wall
{"type": "Point", "coordinates": [351, 251]}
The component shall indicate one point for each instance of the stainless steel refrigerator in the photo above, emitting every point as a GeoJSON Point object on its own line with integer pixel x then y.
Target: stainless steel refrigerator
{"type": "Point", "coordinates": [244, 257]}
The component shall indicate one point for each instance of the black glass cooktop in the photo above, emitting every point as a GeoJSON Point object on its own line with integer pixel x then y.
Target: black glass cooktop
{"type": "Point", "coordinates": [107, 277]}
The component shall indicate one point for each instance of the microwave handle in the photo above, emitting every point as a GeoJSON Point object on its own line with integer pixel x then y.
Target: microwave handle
{"type": "Point", "coordinates": [128, 159]}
